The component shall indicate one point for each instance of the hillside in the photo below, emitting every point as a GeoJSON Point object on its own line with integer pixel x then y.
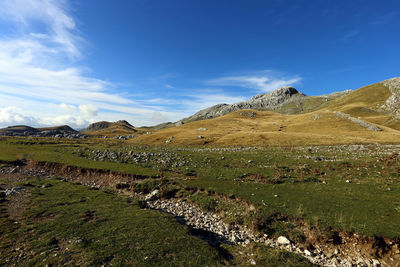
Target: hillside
{"type": "Point", "coordinates": [110, 129]}
{"type": "Point", "coordinates": [19, 129]}
{"type": "Point", "coordinates": [62, 128]}
{"type": "Point", "coordinates": [286, 100]}
{"type": "Point", "coordinates": [57, 131]}
{"type": "Point", "coordinates": [366, 115]}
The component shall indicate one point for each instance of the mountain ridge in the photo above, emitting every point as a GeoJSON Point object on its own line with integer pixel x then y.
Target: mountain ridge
{"type": "Point", "coordinates": [359, 116]}
{"type": "Point", "coordinates": [274, 101]}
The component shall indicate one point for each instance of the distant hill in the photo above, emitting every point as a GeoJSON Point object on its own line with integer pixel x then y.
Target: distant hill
{"type": "Point", "coordinates": [57, 131]}
{"type": "Point", "coordinates": [63, 128]}
{"type": "Point", "coordinates": [286, 117]}
{"type": "Point", "coordinates": [106, 128]}
{"type": "Point", "coordinates": [19, 129]}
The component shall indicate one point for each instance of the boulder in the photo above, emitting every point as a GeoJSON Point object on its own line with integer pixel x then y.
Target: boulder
{"type": "Point", "coordinates": [282, 240]}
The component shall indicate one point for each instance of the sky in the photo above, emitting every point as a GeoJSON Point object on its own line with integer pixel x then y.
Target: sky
{"type": "Point", "coordinates": [151, 61]}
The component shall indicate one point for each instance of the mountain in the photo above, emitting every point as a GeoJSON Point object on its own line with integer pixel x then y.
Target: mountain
{"type": "Point", "coordinates": [269, 101]}
{"type": "Point", "coordinates": [285, 100]}
{"type": "Point", "coordinates": [106, 128]}
{"type": "Point", "coordinates": [287, 117]}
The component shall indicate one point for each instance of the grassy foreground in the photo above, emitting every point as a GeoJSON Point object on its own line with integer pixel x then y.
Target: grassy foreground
{"type": "Point", "coordinates": [330, 187]}
{"type": "Point", "coordinates": [59, 223]}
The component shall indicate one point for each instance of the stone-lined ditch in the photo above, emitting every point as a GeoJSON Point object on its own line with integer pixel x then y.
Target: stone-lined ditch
{"type": "Point", "coordinates": [215, 230]}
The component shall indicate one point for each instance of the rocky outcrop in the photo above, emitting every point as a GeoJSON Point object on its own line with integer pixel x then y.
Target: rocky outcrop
{"type": "Point", "coordinates": [366, 125]}
{"type": "Point", "coordinates": [392, 104]}
{"type": "Point", "coordinates": [269, 101]}
{"type": "Point", "coordinates": [97, 126]}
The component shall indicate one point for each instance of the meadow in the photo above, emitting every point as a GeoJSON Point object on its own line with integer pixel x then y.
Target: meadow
{"type": "Point", "coordinates": [309, 194]}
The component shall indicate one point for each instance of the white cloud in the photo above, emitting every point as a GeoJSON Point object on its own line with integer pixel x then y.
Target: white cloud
{"type": "Point", "coordinates": [67, 107]}
{"type": "Point", "coordinates": [158, 117]}
{"type": "Point", "coordinates": [43, 84]}
{"type": "Point", "coordinates": [207, 99]}
{"type": "Point", "coordinates": [52, 13]}
{"type": "Point", "coordinates": [264, 81]}
{"type": "Point", "coordinates": [88, 110]}
{"type": "Point", "coordinates": [35, 68]}
{"type": "Point", "coordinates": [73, 121]}
{"type": "Point", "coordinates": [13, 115]}
{"type": "Point", "coordinates": [16, 116]}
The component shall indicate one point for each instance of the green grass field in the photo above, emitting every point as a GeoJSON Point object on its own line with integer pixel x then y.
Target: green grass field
{"type": "Point", "coordinates": [327, 188]}
{"type": "Point", "coordinates": [312, 189]}
{"type": "Point", "coordinates": [67, 224]}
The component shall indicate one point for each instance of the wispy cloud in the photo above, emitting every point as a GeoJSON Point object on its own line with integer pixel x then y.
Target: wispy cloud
{"type": "Point", "coordinates": [41, 81]}
{"type": "Point", "coordinates": [383, 19]}
{"type": "Point", "coordinates": [52, 13]}
{"type": "Point", "coordinates": [15, 115]}
{"type": "Point", "coordinates": [264, 81]}
{"type": "Point", "coordinates": [196, 102]}
{"type": "Point", "coordinates": [349, 35]}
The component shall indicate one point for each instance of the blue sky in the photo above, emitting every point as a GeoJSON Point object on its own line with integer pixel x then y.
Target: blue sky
{"type": "Point", "coordinates": [79, 61]}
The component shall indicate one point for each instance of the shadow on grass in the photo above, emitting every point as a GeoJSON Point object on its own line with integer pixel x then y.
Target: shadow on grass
{"type": "Point", "coordinates": [211, 238]}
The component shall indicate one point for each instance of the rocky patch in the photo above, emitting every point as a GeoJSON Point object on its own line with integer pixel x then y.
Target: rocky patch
{"type": "Point", "coordinates": [393, 102]}
{"type": "Point", "coordinates": [367, 125]}
{"type": "Point", "coordinates": [164, 159]}
{"type": "Point", "coordinates": [215, 230]}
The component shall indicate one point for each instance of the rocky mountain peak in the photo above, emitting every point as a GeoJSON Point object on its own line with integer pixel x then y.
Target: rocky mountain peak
{"type": "Point", "coordinates": [124, 122]}
{"type": "Point", "coordinates": [269, 101]}
{"type": "Point", "coordinates": [286, 91]}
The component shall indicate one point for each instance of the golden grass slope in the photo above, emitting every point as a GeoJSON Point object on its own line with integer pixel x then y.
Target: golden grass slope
{"type": "Point", "coordinates": [265, 128]}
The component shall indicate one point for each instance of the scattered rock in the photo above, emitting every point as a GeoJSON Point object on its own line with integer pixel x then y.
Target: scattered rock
{"type": "Point", "coordinates": [376, 263]}
{"type": "Point", "coordinates": [152, 196]}
{"type": "Point", "coordinates": [307, 252]}
{"type": "Point", "coordinates": [367, 125]}
{"type": "Point", "coordinates": [282, 240]}
{"type": "Point", "coordinates": [14, 190]}
{"type": "Point", "coordinates": [45, 185]}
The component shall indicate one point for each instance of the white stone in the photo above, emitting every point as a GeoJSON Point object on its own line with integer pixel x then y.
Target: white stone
{"type": "Point", "coordinates": [152, 195]}
{"type": "Point", "coordinates": [283, 241]}
{"type": "Point", "coordinates": [376, 263]}
{"type": "Point", "coordinates": [307, 252]}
